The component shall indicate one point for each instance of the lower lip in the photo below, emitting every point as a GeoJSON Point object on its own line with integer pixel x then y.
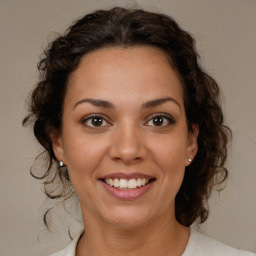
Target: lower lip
{"type": "Point", "coordinates": [127, 194]}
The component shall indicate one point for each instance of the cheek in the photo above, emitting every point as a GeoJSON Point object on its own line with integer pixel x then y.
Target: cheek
{"type": "Point", "coordinates": [83, 157]}
{"type": "Point", "coordinates": [83, 154]}
{"type": "Point", "coordinates": [171, 152]}
{"type": "Point", "coordinates": [170, 158]}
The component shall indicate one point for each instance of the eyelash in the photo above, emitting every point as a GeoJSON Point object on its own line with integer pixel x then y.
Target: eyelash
{"type": "Point", "coordinates": [165, 116]}
{"type": "Point", "coordinates": [96, 116]}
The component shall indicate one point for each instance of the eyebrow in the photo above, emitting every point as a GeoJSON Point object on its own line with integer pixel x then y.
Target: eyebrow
{"type": "Point", "coordinates": [148, 104]}
{"type": "Point", "coordinates": [96, 102]}
{"type": "Point", "coordinates": [157, 102]}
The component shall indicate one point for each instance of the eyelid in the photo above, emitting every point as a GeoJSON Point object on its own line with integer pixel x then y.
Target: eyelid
{"type": "Point", "coordinates": [95, 115]}
{"type": "Point", "coordinates": [169, 117]}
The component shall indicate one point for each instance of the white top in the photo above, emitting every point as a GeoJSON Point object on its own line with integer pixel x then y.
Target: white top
{"type": "Point", "coordinates": [198, 245]}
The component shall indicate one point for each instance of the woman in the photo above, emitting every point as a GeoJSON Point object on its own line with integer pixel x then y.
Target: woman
{"type": "Point", "coordinates": [136, 127]}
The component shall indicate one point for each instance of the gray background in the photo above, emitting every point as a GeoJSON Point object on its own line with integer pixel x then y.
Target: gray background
{"type": "Point", "coordinates": [226, 39]}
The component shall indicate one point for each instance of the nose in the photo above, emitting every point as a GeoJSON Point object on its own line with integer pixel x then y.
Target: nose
{"type": "Point", "coordinates": [127, 145]}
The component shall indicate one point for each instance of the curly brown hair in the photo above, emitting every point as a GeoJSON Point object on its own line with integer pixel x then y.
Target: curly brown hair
{"type": "Point", "coordinates": [126, 28]}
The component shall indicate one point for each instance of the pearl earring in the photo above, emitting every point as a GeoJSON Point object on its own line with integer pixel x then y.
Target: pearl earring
{"type": "Point", "coordinates": [63, 169]}
{"type": "Point", "coordinates": [189, 159]}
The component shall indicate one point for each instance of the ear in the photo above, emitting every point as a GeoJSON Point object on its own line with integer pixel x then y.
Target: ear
{"type": "Point", "coordinates": [192, 146]}
{"type": "Point", "coordinates": [57, 145]}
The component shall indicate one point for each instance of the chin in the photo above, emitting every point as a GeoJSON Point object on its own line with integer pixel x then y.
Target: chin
{"type": "Point", "coordinates": [129, 217]}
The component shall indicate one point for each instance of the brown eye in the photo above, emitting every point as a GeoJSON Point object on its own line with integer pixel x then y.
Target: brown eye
{"type": "Point", "coordinates": [95, 121]}
{"type": "Point", "coordinates": [160, 120]}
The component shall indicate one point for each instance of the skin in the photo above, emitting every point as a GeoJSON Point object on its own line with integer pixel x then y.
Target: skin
{"type": "Point", "coordinates": [127, 141]}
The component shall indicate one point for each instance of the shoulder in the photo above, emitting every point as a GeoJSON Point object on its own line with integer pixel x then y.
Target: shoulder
{"type": "Point", "coordinates": [70, 249]}
{"type": "Point", "coordinates": [200, 245]}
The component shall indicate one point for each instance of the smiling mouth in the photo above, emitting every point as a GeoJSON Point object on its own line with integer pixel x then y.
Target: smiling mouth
{"type": "Point", "coordinates": [127, 184]}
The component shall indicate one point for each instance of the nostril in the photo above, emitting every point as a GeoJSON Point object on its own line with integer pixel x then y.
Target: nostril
{"type": "Point", "coordinates": [127, 147]}
{"type": "Point", "coordinates": [127, 158]}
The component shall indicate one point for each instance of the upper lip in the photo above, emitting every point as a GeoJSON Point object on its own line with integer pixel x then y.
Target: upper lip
{"type": "Point", "coordinates": [128, 176]}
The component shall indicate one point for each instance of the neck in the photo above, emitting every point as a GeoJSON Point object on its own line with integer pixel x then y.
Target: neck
{"type": "Point", "coordinates": [161, 237]}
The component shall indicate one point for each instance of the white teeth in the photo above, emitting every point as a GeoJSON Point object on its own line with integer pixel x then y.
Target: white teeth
{"type": "Point", "coordinates": [127, 184]}
{"type": "Point", "coordinates": [116, 183]}
{"type": "Point", "coordinates": [123, 183]}
{"type": "Point", "coordinates": [132, 183]}
{"type": "Point", "coordinates": [111, 182]}
{"type": "Point", "coordinates": [138, 182]}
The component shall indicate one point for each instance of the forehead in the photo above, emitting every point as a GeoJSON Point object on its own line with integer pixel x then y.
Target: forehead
{"type": "Point", "coordinates": [140, 72]}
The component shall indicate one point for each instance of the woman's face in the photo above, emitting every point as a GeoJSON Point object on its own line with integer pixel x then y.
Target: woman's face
{"type": "Point", "coordinates": [125, 139]}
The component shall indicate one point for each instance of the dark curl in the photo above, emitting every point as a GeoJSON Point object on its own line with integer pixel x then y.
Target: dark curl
{"type": "Point", "coordinates": [126, 28]}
